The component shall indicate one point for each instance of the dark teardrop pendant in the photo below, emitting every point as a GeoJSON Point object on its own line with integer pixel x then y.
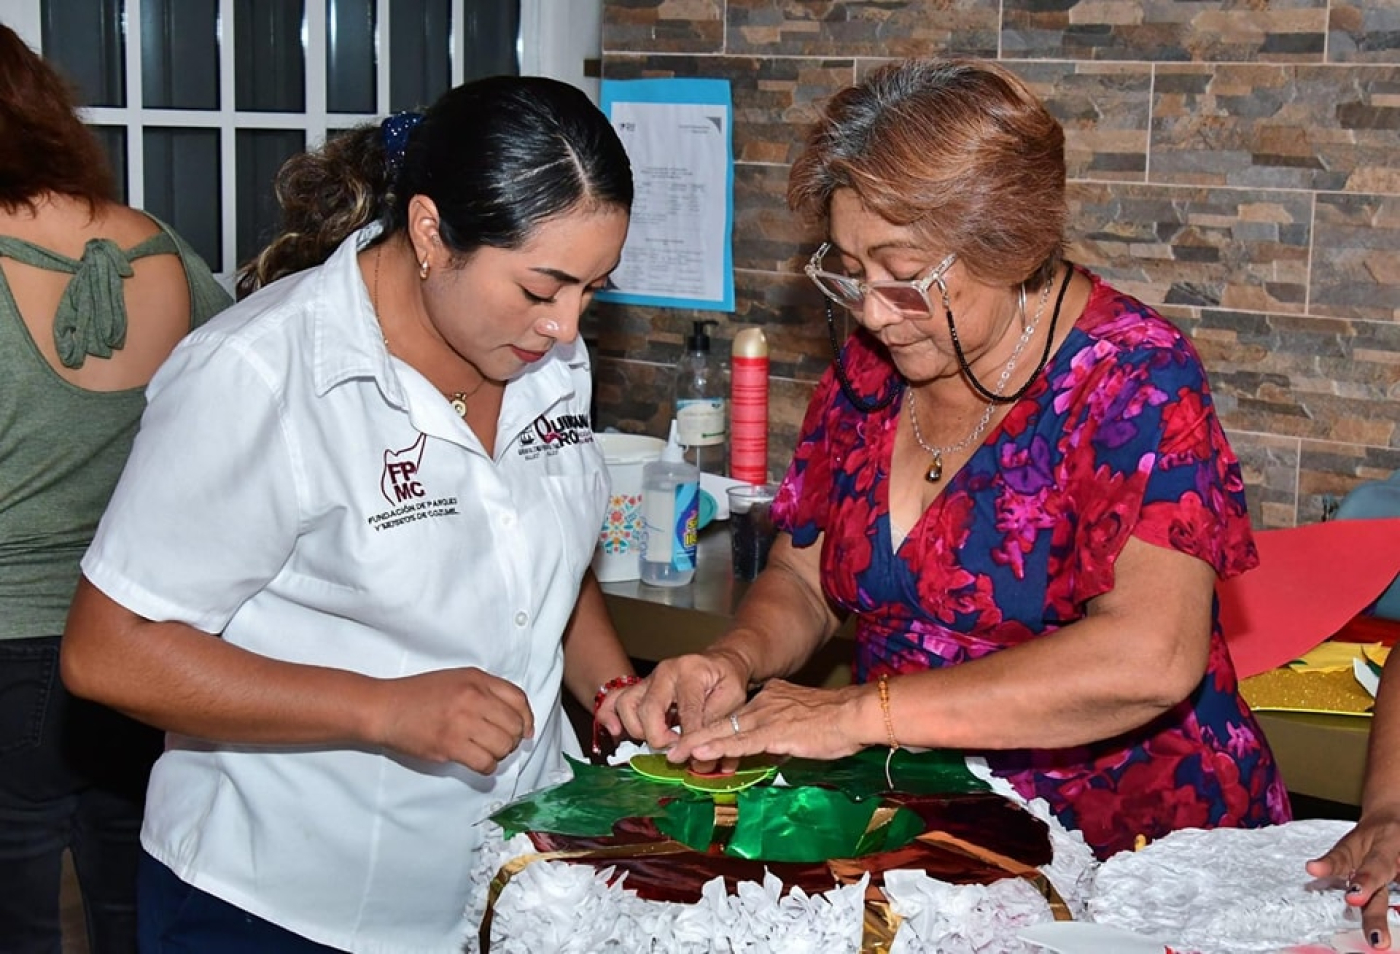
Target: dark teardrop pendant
{"type": "Point", "coordinates": [935, 469]}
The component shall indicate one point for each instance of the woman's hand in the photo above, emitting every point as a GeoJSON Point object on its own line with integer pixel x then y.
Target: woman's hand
{"type": "Point", "coordinates": [453, 715]}
{"type": "Point", "coordinates": [786, 719]}
{"type": "Point", "coordinates": [1367, 857]}
{"type": "Point", "coordinates": [182, 680]}
{"type": "Point", "coordinates": [688, 692]}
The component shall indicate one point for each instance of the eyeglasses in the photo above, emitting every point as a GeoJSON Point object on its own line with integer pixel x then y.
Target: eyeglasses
{"type": "Point", "coordinates": [907, 298]}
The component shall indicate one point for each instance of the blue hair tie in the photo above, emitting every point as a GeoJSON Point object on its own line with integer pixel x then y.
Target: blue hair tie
{"type": "Point", "coordinates": [394, 132]}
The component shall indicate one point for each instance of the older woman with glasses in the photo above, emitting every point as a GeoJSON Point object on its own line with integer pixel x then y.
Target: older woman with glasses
{"type": "Point", "coordinates": [1013, 477]}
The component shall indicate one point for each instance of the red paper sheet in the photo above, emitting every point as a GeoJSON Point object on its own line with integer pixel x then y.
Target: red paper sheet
{"type": "Point", "coordinates": [1310, 582]}
{"type": "Point", "coordinates": [1368, 629]}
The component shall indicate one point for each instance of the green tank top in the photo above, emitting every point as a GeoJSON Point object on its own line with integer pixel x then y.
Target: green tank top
{"type": "Point", "coordinates": [62, 448]}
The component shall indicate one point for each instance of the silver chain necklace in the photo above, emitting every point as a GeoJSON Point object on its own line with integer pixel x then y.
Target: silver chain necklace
{"type": "Point", "coordinates": [935, 468]}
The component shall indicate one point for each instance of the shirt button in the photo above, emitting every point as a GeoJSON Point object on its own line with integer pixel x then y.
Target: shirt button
{"type": "Point", "coordinates": [522, 618]}
{"type": "Point", "coordinates": [507, 519]}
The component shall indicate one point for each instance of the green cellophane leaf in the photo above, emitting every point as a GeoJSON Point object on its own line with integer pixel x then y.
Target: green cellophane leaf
{"type": "Point", "coordinates": [690, 820]}
{"type": "Point", "coordinates": [860, 776]}
{"type": "Point", "coordinates": [589, 804]}
{"type": "Point", "coordinates": [822, 815]}
{"type": "Point", "coordinates": [813, 824]}
{"type": "Point", "coordinates": [901, 829]}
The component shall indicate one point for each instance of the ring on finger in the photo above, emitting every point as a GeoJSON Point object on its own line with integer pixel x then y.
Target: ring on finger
{"type": "Point", "coordinates": [734, 723]}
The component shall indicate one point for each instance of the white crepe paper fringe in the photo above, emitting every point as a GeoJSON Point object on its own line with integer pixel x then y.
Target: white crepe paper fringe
{"type": "Point", "coordinates": [625, 750]}
{"type": "Point", "coordinates": [493, 854]}
{"type": "Point", "coordinates": [942, 918]}
{"type": "Point", "coordinates": [571, 909]}
{"type": "Point", "coordinates": [1072, 864]}
{"type": "Point", "coordinates": [1227, 891]}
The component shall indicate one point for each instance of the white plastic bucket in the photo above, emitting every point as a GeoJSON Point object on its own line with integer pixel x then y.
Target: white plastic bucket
{"type": "Point", "coordinates": [618, 555]}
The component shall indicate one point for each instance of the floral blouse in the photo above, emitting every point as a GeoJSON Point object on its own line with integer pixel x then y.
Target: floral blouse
{"type": "Point", "coordinates": [1117, 437]}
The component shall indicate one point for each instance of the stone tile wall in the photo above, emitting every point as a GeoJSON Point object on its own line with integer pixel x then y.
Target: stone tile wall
{"type": "Point", "coordinates": [1236, 163]}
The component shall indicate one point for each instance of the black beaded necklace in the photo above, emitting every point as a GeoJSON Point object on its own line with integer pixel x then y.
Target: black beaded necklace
{"type": "Point", "coordinates": [1020, 392]}
{"type": "Point", "coordinates": [861, 404]}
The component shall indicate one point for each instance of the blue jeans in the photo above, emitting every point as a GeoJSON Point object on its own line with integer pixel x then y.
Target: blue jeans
{"type": "Point", "coordinates": [72, 776]}
{"type": "Point", "coordinates": [178, 918]}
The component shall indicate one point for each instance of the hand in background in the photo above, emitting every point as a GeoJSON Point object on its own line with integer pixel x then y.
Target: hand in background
{"type": "Point", "coordinates": [454, 715]}
{"type": "Point", "coordinates": [1367, 858]}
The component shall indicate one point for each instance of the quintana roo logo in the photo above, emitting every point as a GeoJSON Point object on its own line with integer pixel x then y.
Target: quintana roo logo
{"type": "Point", "coordinates": [399, 482]}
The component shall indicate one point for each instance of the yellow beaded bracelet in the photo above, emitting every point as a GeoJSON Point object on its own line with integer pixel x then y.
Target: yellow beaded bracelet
{"type": "Point", "coordinates": [884, 687]}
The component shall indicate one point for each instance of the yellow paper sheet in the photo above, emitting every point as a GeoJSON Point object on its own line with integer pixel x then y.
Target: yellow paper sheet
{"type": "Point", "coordinates": [1286, 690]}
{"type": "Point", "coordinates": [1338, 657]}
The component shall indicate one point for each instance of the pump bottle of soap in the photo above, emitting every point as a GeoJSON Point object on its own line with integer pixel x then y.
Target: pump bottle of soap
{"type": "Point", "coordinates": [702, 402]}
{"type": "Point", "coordinates": [671, 514]}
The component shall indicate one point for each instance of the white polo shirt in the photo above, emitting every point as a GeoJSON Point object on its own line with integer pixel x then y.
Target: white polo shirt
{"type": "Point", "coordinates": [298, 490]}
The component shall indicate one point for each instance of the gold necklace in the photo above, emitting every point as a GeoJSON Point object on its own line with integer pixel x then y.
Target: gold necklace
{"type": "Point", "coordinates": [458, 399]}
{"type": "Point", "coordinates": [935, 468]}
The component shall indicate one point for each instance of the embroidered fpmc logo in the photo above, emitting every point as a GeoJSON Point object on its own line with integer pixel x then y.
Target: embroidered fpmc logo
{"type": "Point", "coordinates": [400, 484]}
{"type": "Point", "coordinates": [546, 436]}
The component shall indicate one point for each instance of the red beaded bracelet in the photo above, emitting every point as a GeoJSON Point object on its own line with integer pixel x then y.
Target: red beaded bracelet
{"type": "Point", "coordinates": [619, 682]}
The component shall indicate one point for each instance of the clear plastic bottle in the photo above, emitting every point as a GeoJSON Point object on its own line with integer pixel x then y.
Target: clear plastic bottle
{"type": "Point", "coordinates": [671, 512]}
{"type": "Point", "coordinates": [702, 402]}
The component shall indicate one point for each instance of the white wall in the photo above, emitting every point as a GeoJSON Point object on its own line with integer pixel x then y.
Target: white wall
{"type": "Point", "coordinates": [557, 36]}
{"type": "Point", "coordinates": [22, 16]}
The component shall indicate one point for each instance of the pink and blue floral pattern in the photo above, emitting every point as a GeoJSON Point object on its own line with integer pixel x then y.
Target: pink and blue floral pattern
{"type": "Point", "coordinates": [1117, 437]}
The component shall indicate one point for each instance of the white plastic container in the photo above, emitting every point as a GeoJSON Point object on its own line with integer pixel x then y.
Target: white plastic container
{"type": "Point", "coordinates": [671, 509]}
{"type": "Point", "coordinates": [618, 555]}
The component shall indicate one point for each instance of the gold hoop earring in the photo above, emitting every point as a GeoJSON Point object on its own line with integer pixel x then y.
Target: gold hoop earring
{"type": "Point", "coordinates": [423, 268]}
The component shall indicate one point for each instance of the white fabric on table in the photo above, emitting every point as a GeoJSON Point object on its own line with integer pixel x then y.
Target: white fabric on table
{"type": "Point", "coordinates": [1227, 890]}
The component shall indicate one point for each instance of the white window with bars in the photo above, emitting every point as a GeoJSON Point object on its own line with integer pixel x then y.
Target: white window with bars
{"type": "Point", "coordinates": [199, 102]}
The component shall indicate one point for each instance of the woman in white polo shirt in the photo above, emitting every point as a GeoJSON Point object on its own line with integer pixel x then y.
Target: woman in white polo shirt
{"type": "Point", "coordinates": [346, 566]}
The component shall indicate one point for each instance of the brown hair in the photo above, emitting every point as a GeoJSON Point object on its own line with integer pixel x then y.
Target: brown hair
{"type": "Point", "coordinates": [325, 195]}
{"type": "Point", "coordinates": [44, 146]}
{"type": "Point", "coordinates": [960, 150]}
